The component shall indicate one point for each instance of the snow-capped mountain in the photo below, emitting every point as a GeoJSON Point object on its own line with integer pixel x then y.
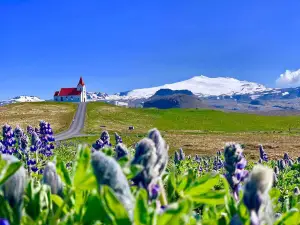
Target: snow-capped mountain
{"type": "Point", "coordinates": [201, 86]}
{"type": "Point", "coordinates": [96, 96]}
{"type": "Point", "coordinates": [22, 98]}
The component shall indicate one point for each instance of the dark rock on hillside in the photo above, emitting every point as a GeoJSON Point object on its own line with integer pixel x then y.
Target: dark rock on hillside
{"type": "Point", "coordinates": [255, 102]}
{"type": "Point", "coordinates": [165, 92]}
{"type": "Point", "coordinates": [174, 101]}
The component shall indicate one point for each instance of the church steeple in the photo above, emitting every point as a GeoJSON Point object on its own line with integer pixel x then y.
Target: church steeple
{"type": "Point", "coordinates": [81, 82]}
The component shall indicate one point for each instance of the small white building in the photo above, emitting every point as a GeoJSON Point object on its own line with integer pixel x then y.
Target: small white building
{"type": "Point", "coordinates": [118, 103]}
{"type": "Point", "coordinates": [77, 94]}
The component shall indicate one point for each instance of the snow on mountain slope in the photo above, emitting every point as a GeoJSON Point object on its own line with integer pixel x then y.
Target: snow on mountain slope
{"type": "Point", "coordinates": [22, 98]}
{"type": "Point", "coordinates": [204, 86]}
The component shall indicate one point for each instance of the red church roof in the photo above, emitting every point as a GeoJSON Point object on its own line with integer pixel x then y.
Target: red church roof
{"type": "Point", "coordinates": [56, 93]}
{"type": "Point", "coordinates": [81, 82]}
{"type": "Point", "coordinates": [67, 92]}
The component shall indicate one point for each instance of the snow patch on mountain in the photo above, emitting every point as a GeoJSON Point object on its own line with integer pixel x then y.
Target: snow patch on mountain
{"type": "Point", "coordinates": [22, 98]}
{"type": "Point", "coordinates": [204, 86]}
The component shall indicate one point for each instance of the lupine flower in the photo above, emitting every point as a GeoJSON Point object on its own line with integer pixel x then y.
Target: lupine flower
{"type": "Point", "coordinates": [263, 154]}
{"type": "Point", "coordinates": [13, 188]}
{"type": "Point", "coordinates": [52, 179]}
{"type": "Point", "coordinates": [4, 222]}
{"type": "Point", "coordinates": [30, 129]}
{"type": "Point", "coordinates": [176, 157]}
{"type": "Point", "coordinates": [24, 142]}
{"type": "Point", "coordinates": [2, 147]}
{"type": "Point", "coordinates": [290, 162]}
{"type": "Point", "coordinates": [161, 150]}
{"type": "Point", "coordinates": [18, 132]}
{"type": "Point", "coordinates": [256, 195]}
{"type": "Point", "coordinates": [296, 191]}
{"type": "Point", "coordinates": [235, 164]}
{"type": "Point", "coordinates": [275, 179]}
{"type": "Point", "coordinates": [98, 144]}
{"type": "Point", "coordinates": [181, 154]}
{"type": "Point", "coordinates": [105, 138]}
{"type": "Point", "coordinates": [298, 160]}
{"type": "Point", "coordinates": [286, 158]}
{"type": "Point", "coordinates": [108, 172]}
{"type": "Point", "coordinates": [276, 170]}
{"type": "Point", "coordinates": [282, 164]}
{"type": "Point", "coordinates": [35, 140]}
{"type": "Point", "coordinates": [118, 138]}
{"type": "Point", "coordinates": [197, 159]}
{"type": "Point", "coordinates": [145, 155]}
{"type": "Point", "coordinates": [200, 169]}
{"type": "Point", "coordinates": [121, 151]}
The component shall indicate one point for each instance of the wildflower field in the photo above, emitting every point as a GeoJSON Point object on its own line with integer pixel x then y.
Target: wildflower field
{"type": "Point", "coordinates": [111, 183]}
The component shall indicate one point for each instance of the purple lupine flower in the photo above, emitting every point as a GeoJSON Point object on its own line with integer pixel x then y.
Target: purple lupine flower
{"type": "Point", "coordinates": [181, 154]}
{"type": "Point", "coordinates": [161, 150]}
{"type": "Point", "coordinates": [286, 158]}
{"type": "Point", "coordinates": [276, 170]}
{"type": "Point", "coordinates": [4, 222]}
{"type": "Point", "coordinates": [296, 191]}
{"type": "Point", "coordinates": [34, 169]}
{"type": "Point", "coordinates": [98, 144]}
{"type": "Point", "coordinates": [18, 132]}
{"type": "Point", "coordinates": [118, 138]}
{"type": "Point", "coordinates": [105, 138]}
{"type": "Point", "coordinates": [256, 195]}
{"type": "Point", "coordinates": [24, 142]}
{"type": "Point", "coordinates": [282, 164]}
{"type": "Point", "coordinates": [263, 154]}
{"type": "Point", "coordinates": [52, 179]}
{"type": "Point", "coordinates": [200, 169]}
{"type": "Point", "coordinates": [121, 151]}
{"type": "Point", "coordinates": [108, 172]}
{"type": "Point", "coordinates": [13, 188]}
{"type": "Point", "coordinates": [176, 157]}
{"type": "Point", "coordinates": [153, 191]}
{"type": "Point", "coordinates": [30, 129]}
{"type": "Point", "coordinates": [145, 155]}
{"type": "Point", "coordinates": [290, 162]}
{"type": "Point", "coordinates": [235, 164]}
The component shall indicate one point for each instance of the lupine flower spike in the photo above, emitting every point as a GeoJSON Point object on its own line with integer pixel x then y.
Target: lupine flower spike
{"type": "Point", "coordinates": [52, 179]}
{"type": "Point", "coordinates": [235, 164]}
{"type": "Point", "coordinates": [263, 154]}
{"type": "Point", "coordinates": [121, 151]}
{"type": "Point", "coordinates": [14, 187]}
{"type": "Point", "coordinates": [256, 195]}
{"type": "Point", "coordinates": [108, 172]}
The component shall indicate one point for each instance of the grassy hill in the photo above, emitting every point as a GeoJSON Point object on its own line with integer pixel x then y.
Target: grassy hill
{"type": "Point", "coordinates": [59, 115]}
{"type": "Point", "coordinates": [197, 131]}
{"type": "Point", "coordinates": [118, 118]}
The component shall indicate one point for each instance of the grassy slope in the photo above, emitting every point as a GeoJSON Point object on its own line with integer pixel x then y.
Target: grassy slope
{"type": "Point", "coordinates": [59, 115]}
{"type": "Point", "coordinates": [197, 131]}
{"type": "Point", "coordinates": [118, 118]}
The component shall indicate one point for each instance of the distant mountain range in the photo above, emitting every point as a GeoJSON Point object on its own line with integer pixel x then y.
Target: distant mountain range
{"type": "Point", "coordinates": [221, 92]}
{"type": "Point", "coordinates": [22, 98]}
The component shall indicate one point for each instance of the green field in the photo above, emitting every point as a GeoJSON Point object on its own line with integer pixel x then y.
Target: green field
{"type": "Point", "coordinates": [183, 119]}
{"type": "Point", "coordinates": [198, 131]}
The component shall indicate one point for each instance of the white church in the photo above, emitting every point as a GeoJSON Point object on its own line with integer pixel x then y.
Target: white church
{"type": "Point", "coordinates": [77, 94]}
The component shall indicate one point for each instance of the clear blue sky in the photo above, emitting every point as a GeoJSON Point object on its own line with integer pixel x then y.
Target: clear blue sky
{"type": "Point", "coordinates": [122, 45]}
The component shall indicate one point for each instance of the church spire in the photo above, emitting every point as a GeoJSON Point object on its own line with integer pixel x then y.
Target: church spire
{"type": "Point", "coordinates": [81, 82]}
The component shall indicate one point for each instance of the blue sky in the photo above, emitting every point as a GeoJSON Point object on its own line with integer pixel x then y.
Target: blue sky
{"type": "Point", "coordinates": [123, 45]}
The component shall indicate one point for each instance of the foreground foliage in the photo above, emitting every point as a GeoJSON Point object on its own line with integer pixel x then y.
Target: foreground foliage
{"type": "Point", "coordinates": [111, 184]}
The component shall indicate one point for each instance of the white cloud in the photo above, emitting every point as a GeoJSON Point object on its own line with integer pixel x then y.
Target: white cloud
{"type": "Point", "coordinates": [289, 79]}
